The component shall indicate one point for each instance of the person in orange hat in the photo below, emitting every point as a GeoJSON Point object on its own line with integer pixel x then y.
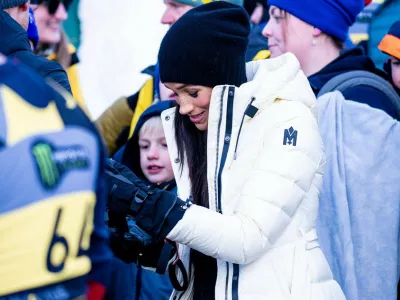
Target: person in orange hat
{"type": "Point", "coordinates": [390, 45]}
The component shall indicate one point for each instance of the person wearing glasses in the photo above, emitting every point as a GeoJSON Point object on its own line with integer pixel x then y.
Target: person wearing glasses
{"type": "Point", "coordinates": [53, 41]}
{"type": "Point", "coordinates": [14, 43]}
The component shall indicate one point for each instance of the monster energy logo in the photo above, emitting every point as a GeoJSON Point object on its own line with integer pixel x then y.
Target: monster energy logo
{"type": "Point", "coordinates": [47, 168]}
{"type": "Point", "coordinates": [52, 163]}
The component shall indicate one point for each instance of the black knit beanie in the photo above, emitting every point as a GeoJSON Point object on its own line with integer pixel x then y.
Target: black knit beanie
{"type": "Point", "coordinates": [206, 46]}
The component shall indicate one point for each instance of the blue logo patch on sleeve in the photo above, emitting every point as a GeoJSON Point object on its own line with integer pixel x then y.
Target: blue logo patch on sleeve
{"type": "Point", "coordinates": [290, 137]}
{"type": "Point", "coordinates": [52, 163]}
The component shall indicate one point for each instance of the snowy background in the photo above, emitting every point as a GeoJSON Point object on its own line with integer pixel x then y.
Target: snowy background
{"type": "Point", "coordinates": [118, 42]}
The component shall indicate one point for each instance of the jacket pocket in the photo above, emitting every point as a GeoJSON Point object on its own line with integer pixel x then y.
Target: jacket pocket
{"type": "Point", "coordinates": [264, 279]}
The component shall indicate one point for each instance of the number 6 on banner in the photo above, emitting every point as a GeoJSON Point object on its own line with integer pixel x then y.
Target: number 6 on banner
{"type": "Point", "coordinates": [59, 246]}
{"type": "Point", "coordinates": [60, 241]}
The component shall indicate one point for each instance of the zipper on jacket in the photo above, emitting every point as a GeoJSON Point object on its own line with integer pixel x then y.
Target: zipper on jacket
{"type": "Point", "coordinates": [241, 124]}
{"type": "Point", "coordinates": [235, 282]}
{"type": "Point", "coordinates": [227, 141]}
{"type": "Point", "coordinates": [216, 189]}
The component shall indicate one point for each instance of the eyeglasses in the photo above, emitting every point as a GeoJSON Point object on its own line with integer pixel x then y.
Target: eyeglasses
{"type": "Point", "coordinates": [52, 5]}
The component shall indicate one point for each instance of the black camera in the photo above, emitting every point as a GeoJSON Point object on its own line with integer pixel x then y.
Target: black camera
{"type": "Point", "coordinates": [130, 243]}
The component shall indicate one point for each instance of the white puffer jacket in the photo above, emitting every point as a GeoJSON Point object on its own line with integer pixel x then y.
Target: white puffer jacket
{"type": "Point", "coordinates": [265, 165]}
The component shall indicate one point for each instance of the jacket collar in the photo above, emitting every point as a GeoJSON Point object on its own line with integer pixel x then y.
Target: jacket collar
{"type": "Point", "coordinates": [13, 37]}
{"type": "Point", "coordinates": [269, 80]}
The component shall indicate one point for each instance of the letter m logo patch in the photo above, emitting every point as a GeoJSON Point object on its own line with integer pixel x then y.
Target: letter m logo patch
{"type": "Point", "coordinates": [290, 137]}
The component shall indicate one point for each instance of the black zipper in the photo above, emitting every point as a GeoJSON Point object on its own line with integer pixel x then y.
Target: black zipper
{"type": "Point", "coordinates": [235, 282]}
{"type": "Point", "coordinates": [240, 128]}
{"type": "Point", "coordinates": [216, 190]}
{"type": "Point", "coordinates": [227, 141]}
{"type": "Point", "coordinates": [225, 149]}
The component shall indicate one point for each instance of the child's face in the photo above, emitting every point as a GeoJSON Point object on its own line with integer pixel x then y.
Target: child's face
{"type": "Point", "coordinates": [154, 158]}
{"type": "Point", "coordinates": [395, 71]}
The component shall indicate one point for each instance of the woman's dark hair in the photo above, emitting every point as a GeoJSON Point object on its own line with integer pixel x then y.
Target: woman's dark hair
{"type": "Point", "coordinates": [192, 145]}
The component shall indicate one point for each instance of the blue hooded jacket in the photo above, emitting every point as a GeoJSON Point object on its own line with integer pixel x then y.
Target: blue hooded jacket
{"type": "Point", "coordinates": [130, 282]}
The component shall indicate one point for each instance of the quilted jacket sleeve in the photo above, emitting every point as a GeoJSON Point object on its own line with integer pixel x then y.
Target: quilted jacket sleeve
{"type": "Point", "coordinates": [281, 179]}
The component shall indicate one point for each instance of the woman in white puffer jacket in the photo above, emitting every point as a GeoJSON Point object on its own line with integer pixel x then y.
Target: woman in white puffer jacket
{"type": "Point", "coordinates": [246, 149]}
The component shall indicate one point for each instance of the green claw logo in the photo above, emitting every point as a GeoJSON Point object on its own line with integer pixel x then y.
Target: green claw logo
{"type": "Point", "coordinates": [53, 163]}
{"type": "Point", "coordinates": [48, 170]}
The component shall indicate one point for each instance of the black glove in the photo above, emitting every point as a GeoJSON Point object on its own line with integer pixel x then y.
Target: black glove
{"type": "Point", "coordinates": [130, 243]}
{"type": "Point", "coordinates": [156, 211]}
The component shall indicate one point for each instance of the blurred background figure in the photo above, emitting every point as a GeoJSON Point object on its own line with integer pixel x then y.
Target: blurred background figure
{"type": "Point", "coordinates": [14, 43]}
{"type": "Point", "coordinates": [259, 16]}
{"type": "Point", "coordinates": [319, 44]}
{"type": "Point", "coordinates": [49, 16]}
{"type": "Point", "coordinates": [371, 26]}
{"type": "Point", "coordinates": [390, 45]}
{"type": "Point", "coordinates": [257, 10]}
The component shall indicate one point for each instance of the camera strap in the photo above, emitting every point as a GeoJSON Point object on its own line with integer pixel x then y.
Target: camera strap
{"type": "Point", "coordinates": [169, 251]}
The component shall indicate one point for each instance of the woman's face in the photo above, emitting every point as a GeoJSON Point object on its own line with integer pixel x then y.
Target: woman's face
{"type": "Point", "coordinates": [286, 33]}
{"type": "Point", "coordinates": [395, 63]}
{"type": "Point", "coordinates": [49, 26]}
{"type": "Point", "coordinates": [193, 101]}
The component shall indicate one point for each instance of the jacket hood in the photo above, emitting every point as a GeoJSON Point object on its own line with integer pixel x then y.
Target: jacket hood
{"type": "Point", "coordinates": [274, 78]}
{"type": "Point", "coordinates": [351, 60]}
{"type": "Point", "coordinates": [131, 155]}
{"type": "Point", "coordinates": [13, 37]}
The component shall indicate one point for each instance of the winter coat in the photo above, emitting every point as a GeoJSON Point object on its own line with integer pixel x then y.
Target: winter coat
{"type": "Point", "coordinates": [265, 167]}
{"type": "Point", "coordinates": [14, 43]}
{"type": "Point", "coordinates": [353, 60]}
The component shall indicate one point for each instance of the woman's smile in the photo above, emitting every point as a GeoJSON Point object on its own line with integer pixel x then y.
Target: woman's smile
{"type": "Point", "coordinates": [197, 118]}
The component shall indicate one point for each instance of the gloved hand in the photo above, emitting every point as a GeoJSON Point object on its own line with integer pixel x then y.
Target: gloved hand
{"type": "Point", "coordinates": [156, 211]}
{"type": "Point", "coordinates": [130, 243]}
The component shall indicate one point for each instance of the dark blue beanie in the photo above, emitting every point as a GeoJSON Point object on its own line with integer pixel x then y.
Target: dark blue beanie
{"type": "Point", "coordinates": [206, 46]}
{"type": "Point", "coordinates": [333, 17]}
